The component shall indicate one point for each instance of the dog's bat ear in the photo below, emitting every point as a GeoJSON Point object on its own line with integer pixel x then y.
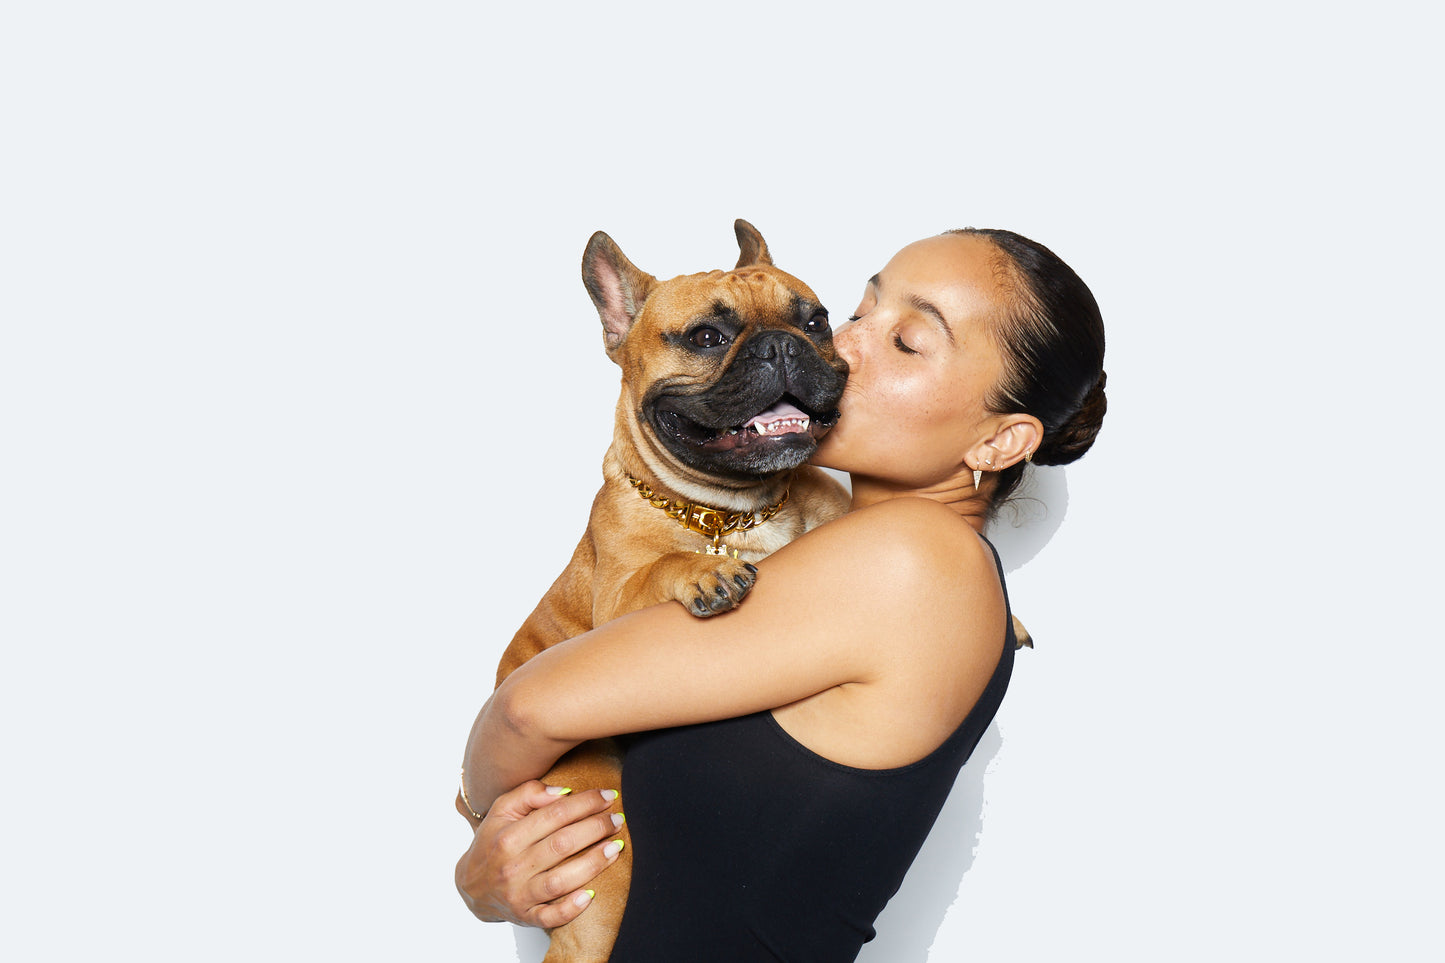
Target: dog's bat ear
{"type": "Point", "coordinates": [754, 250]}
{"type": "Point", "coordinates": [617, 287]}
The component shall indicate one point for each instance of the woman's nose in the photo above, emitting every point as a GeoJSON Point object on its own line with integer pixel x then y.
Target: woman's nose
{"type": "Point", "coordinates": [846, 341]}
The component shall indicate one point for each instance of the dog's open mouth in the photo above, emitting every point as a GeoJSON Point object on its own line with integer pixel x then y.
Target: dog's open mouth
{"type": "Point", "coordinates": [783, 418]}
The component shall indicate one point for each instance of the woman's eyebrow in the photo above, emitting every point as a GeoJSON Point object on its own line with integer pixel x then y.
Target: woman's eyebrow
{"type": "Point", "coordinates": [931, 309]}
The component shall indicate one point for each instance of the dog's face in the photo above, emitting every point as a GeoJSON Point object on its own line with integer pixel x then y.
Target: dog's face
{"type": "Point", "coordinates": [732, 374]}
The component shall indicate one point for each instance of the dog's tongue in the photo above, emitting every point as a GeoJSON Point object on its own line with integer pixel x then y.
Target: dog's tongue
{"type": "Point", "coordinates": [781, 419]}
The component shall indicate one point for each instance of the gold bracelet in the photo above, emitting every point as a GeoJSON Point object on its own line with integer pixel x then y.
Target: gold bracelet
{"type": "Point", "coordinates": [462, 785]}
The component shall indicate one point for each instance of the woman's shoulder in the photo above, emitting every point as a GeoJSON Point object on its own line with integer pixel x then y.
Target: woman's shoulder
{"type": "Point", "coordinates": [918, 551]}
{"type": "Point", "coordinates": [914, 605]}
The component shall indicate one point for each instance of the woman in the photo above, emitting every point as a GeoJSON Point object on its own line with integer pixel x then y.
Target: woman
{"type": "Point", "coordinates": [826, 719]}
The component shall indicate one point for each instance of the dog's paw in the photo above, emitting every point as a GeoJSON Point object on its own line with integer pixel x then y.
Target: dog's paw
{"type": "Point", "coordinates": [717, 584]}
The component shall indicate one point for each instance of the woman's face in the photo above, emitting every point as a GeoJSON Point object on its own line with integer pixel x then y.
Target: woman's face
{"type": "Point", "coordinates": [920, 362]}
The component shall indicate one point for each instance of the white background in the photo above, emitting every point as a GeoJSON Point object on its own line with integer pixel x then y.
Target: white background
{"type": "Point", "coordinates": [303, 403]}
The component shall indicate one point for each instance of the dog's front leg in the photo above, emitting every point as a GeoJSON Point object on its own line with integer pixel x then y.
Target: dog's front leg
{"type": "Point", "coordinates": [589, 937]}
{"type": "Point", "coordinates": [705, 584]}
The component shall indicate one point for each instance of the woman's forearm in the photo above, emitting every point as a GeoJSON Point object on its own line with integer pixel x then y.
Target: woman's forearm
{"type": "Point", "coordinates": [504, 750]}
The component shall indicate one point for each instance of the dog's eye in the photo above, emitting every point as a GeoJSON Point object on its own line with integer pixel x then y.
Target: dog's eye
{"type": "Point", "coordinates": [818, 323]}
{"type": "Point", "coordinates": [707, 337]}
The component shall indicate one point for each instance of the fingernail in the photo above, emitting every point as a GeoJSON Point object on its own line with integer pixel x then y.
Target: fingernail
{"type": "Point", "coordinates": [608, 794]}
{"type": "Point", "coordinates": [612, 848]}
{"type": "Point", "coordinates": [558, 791]}
{"type": "Point", "coordinates": [617, 820]}
{"type": "Point", "coordinates": [584, 897]}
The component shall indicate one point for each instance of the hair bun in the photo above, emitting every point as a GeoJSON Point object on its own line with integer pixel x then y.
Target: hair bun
{"type": "Point", "coordinates": [1069, 441]}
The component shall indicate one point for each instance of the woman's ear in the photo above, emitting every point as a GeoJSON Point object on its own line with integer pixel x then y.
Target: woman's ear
{"type": "Point", "coordinates": [1015, 437]}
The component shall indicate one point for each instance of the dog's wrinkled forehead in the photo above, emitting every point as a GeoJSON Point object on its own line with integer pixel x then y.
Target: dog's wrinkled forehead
{"type": "Point", "coordinates": [748, 297]}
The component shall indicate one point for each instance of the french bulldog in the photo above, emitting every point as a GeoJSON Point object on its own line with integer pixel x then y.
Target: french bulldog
{"type": "Point", "coordinates": [729, 379]}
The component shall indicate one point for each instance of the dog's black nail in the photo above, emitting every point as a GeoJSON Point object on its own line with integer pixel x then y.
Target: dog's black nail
{"type": "Point", "coordinates": [741, 583]}
{"type": "Point", "coordinates": [722, 590]}
{"type": "Point", "coordinates": [699, 606]}
{"type": "Point", "coordinates": [750, 567]}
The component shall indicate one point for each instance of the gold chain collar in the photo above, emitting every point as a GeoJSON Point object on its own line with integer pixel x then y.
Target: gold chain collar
{"type": "Point", "coordinates": [712, 523]}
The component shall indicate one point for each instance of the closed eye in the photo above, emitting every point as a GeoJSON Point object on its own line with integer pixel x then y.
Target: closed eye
{"type": "Point", "coordinates": [898, 343]}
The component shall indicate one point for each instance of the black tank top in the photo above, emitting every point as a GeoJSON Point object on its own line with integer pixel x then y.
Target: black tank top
{"type": "Point", "coordinates": [749, 846]}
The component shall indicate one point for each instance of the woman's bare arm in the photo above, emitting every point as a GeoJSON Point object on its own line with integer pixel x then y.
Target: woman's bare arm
{"type": "Point", "coordinates": [823, 614]}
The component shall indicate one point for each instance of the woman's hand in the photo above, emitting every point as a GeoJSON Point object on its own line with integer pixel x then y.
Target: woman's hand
{"type": "Point", "coordinates": [533, 852]}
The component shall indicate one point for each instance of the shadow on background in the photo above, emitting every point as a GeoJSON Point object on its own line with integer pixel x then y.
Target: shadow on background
{"type": "Point", "coordinates": [1026, 523]}
{"type": "Point", "coordinates": [910, 921]}
{"type": "Point", "coordinates": [531, 944]}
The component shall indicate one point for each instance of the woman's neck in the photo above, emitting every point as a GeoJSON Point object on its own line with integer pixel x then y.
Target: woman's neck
{"type": "Point", "coordinates": [970, 504]}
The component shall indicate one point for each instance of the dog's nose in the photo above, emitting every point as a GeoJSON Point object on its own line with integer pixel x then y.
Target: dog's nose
{"type": "Point", "coordinates": [771, 345]}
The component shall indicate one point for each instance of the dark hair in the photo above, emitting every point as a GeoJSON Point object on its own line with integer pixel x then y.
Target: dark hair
{"type": "Point", "coordinates": [1051, 335]}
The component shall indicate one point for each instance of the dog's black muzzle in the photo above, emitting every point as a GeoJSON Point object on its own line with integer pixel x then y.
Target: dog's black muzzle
{"type": "Point", "coordinates": [764, 415]}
